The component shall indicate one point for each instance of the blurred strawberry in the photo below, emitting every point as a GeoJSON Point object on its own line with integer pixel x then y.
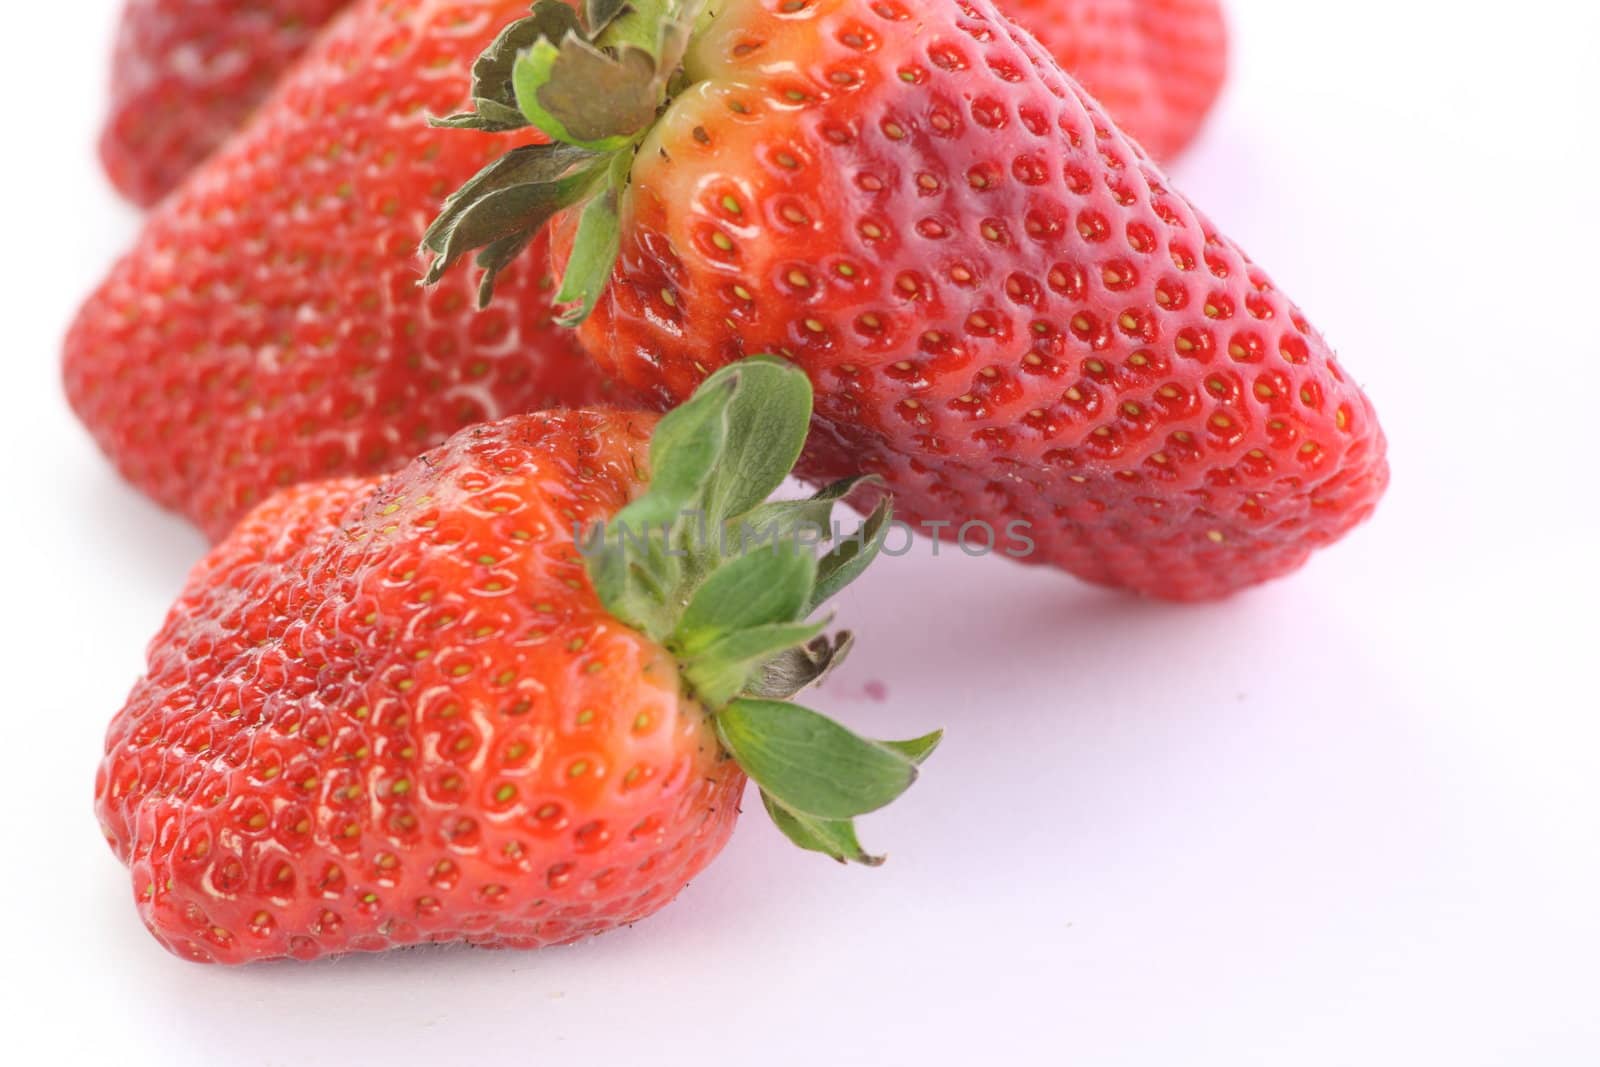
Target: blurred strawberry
{"type": "Point", "coordinates": [1155, 65]}
{"type": "Point", "coordinates": [186, 73]}
{"type": "Point", "coordinates": [268, 327]}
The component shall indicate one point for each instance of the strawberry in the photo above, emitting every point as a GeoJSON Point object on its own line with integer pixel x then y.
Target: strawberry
{"type": "Point", "coordinates": [1156, 66]}
{"type": "Point", "coordinates": [1009, 314]}
{"type": "Point", "coordinates": [186, 73]}
{"type": "Point", "coordinates": [267, 328]}
{"type": "Point", "coordinates": [508, 696]}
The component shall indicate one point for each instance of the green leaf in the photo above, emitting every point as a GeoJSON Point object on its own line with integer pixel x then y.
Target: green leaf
{"type": "Point", "coordinates": [512, 197]}
{"type": "Point", "coordinates": [853, 555]}
{"type": "Point", "coordinates": [765, 408]}
{"type": "Point", "coordinates": [832, 837]}
{"type": "Point", "coordinates": [688, 443]}
{"type": "Point", "coordinates": [594, 248]}
{"type": "Point", "coordinates": [734, 615]}
{"type": "Point", "coordinates": [494, 258]}
{"type": "Point", "coordinates": [758, 589]}
{"type": "Point", "coordinates": [789, 519]}
{"type": "Point", "coordinates": [809, 763]}
{"type": "Point", "coordinates": [635, 573]}
{"type": "Point", "coordinates": [721, 670]}
{"type": "Point", "coordinates": [486, 116]}
{"type": "Point", "coordinates": [504, 213]}
{"type": "Point", "coordinates": [918, 749]}
{"type": "Point", "coordinates": [766, 433]}
{"type": "Point", "coordinates": [493, 94]}
{"type": "Point", "coordinates": [581, 95]}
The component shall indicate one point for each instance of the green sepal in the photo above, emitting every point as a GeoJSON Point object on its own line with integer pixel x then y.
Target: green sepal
{"type": "Point", "coordinates": [507, 202]}
{"type": "Point", "coordinates": [637, 569]}
{"type": "Point", "coordinates": [799, 520]}
{"type": "Point", "coordinates": [486, 116]}
{"type": "Point", "coordinates": [766, 435]}
{"type": "Point", "coordinates": [793, 519]}
{"type": "Point", "coordinates": [596, 83]}
{"type": "Point", "coordinates": [494, 97]}
{"type": "Point", "coordinates": [918, 749]}
{"type": "Point", "coordinates": [758, 589]}
{"type": "Point", "coordinates": [737, 621]}
{"type": "Point", "coordinates": [809, 763]}
{"type": "Point", "coordinates": [722, 670]}
{"type": "Point", "coordinates": [594, 248]}
{"type": "Point", "coordinates": [831, 837]}
{"type": "Point", "coordinates": [712, 458]}
{"type": "Point", "coordinates": [582, 95]}
{"type": "Point", "coordinates": [853, 554]}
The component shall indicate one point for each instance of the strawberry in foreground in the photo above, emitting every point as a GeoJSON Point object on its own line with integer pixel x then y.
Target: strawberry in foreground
{"type": "Point", "coordinates": [187, 73]}
{"type": "Point", "coordinates": [1006, 310]}
{"type": "Point", "coordinates": [267, 328]}
{"type": "Point", "coordinates": [414, 709]}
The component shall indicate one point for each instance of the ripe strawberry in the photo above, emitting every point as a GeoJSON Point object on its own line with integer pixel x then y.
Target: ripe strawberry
{"type": "Point", "coordinates": [1156, 66]}
{"type": "Point", "coordinates": [186, 73]}
{"type": "Point", "coordinates": [1007, 311]}
{"type": "Point", "coordinates": [387, 711]}
{"type": "Point", "coordinates": [268, 327]}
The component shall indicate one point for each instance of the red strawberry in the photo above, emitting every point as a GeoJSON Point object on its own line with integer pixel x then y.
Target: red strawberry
{"type": "Point", "coordinates": [186, 73]}
{"type": "Point", "coordinates": [392, 711]}
{"type": "Point", "coordinates": [1007, 311]}
{"type": "Point", "coordinates": [1156, 66]}
{"type": "Point", "coordinates": [268, 327]}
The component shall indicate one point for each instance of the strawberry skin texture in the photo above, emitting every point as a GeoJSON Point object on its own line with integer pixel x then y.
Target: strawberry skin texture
{"type": "Point", "coordinates": [268, 327]}
{"type": "Point", "coordinates": [187, 73]}
{"type": "Point", "coordinates": [1156, 66]}
{"type": "Point", "coordinates": [392, 711]}
{"type": "Point", "coordinates": [1006, 310]}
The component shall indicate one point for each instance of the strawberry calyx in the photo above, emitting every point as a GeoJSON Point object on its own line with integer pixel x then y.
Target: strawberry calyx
{"type": "Point", "coordinates": [726, 580]}
{"type": "Point", "coordinates": [591, 79]}
{"type": "Point", "coordinates": [702, 562]}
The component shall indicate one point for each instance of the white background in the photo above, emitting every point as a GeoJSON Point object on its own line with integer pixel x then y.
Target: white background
{"type": "Point", "coordinates": [1352, 818]}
